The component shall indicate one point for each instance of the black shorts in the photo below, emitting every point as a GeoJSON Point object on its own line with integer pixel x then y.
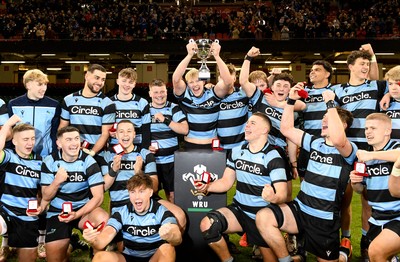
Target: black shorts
{"type": "Point", "coordinates": [56, 230]}
{"type": "Point", "coordinates": [321, 236]}
{"type": "Point", "coordinates": [189, 146]}
{"type": "Point", "coordinates": [302, 162]}
{"type": "Point", "coordinates": [21, 234]}
{"type": "Point", "coordinates": [248, 225]}
{"type": "Point", "coordinates": [165, 174]}
{"type": "Point", "coordinates": [375, 230]}
{"type": "Point", "coordinates": [129, 258]}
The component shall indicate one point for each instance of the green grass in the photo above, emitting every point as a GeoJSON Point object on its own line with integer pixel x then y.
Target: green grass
{"type": "Point", "coordinates": [79, 256]}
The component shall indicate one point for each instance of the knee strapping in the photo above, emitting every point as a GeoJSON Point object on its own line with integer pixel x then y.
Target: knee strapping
{"type": "Point", "coordinates": [218, 226]}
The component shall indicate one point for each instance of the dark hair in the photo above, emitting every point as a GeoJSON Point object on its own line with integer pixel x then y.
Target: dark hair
{"type": "Point", "coordinates": [285, 77]}
{"type": "Point", "coordinates": [125, 121]}
{"type": "Point", "coordinates": [138, 180]}
{"type": "Point", "coordinates": [94, 67]}
{"type": "Point", "coordinates": [157, 82]}
{"type": "Point", "coordinates": [346, 116]}
{"type": "Point", "coordinates": [351, 59]}
{"type": "Point", "coordinates": [66, 129]}
{"type": "Point", "coordinates": [326, 65]}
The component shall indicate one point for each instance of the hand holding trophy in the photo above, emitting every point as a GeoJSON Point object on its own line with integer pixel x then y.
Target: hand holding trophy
{"type": "Point", "coordinates": [204, 52]}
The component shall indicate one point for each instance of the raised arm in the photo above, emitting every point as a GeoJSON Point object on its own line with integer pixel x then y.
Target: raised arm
{"type": "Point", "coordinates": [287, 122]}
{"type": "Point", "coordinates": [337, 134]}
{"type": "Point", "coordinates": [249, 88]}
{"type": "Point", "coordinates": [373, 66]}
{"type": "Point", "coordinates": [222, 87]}
{"type": "Point", "coordinates": [6, 130]}
{"type": "Point", "coordinates": [178, 84]}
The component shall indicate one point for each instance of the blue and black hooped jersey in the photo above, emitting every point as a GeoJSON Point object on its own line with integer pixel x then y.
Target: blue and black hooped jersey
{"type": "Point", "coordinates": [140, 232]}
{"type": "Point", "coordinates": [137, 111]}
{"type": "Point", "coordinates": [83, 174]}
{"type": "Point", "coordinates": [201, 113]}
{"type": "Point", "coordinates": [394, 113]}
{"type": "Point", "coordinates": [325, 180]}
{"type": "Point", "coordinates": [361, 101]}
{"type": "Point", "coordinates": [44, 115]}
{"type": "Point", "coordinates": [233, 115]}
{"type": "Point", "coordinates": [166, 138]}
{"type": "Point", "coordinates": [119, 195]}
{"type": "Point", "coordinates": [275, 136]}
{"type": "Point", "coordinates": [253, 171]}
{"type": "Point", "coordinates": [3, 112]}
{"type": "Point", "coordinates": [315, 110]}
{"type": "Point", "coordinates": [20, 183]}
{"type": "Point", "coordinates": [88, 114]}
{"type": "Point", "coordinates": [384, 206]}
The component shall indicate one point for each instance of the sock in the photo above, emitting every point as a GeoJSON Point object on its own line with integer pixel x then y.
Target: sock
{"type": "Point", "coordinates": [341, 253]}
{"type": "Point", "coordinates": [364, 232]}
{"type": "Point", "coordinates": [4, 243]}
{"type": "Point", "coordinates": [42, 235]}
{"type": "Point", "coordinates": [285, 259]}
{"type": "Point", "coordinates": [229, 259]}
{"type": "Point", "coordinates": [346, 233]}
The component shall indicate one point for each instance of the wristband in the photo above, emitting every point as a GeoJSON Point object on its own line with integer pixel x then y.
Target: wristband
{"type": "Point", "coordinates": [249, 58]}
{"type": "Point", "coordinates": [291, 101]}
{"type": "Point", "coordinates": [395, 171]}
{"type": "Point", "coordinates": [112, 173]}
{"type": "Point", "coordinates": [330, 104]}
{"type": "Point", "coordinates": [167, 121]}
{"type": "Point", "coordinates": [373, 59]}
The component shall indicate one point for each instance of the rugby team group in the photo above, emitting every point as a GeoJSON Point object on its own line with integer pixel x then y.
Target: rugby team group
{"type": "Point", "coordinates": [58, 160]}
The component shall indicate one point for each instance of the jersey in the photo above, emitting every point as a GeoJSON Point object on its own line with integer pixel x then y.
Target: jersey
{"type": "Point", "coordinates": [325, 179]}
{"type": "Point", "coordinates": [315, 110]}
{"type": "Point", "coordinates": [394, 113]}
{"type": "Point", "coordinates": [361, 101]}
{"type": "Point", "coordinates": [135, 110]}
{"type": "Point", "coordinates": [3, 112]}
{"type": "Point", "coordinates": [140, 232]}
{"type": "Point", "coordinates": [275, 136]}
{"type": "Point", "coordinates": [232, 119]}
{"type": "Point", "coordinates": [44, 115]}
{"type": "Point", "coordinates": [83, 173]}
{"type": "Point", "coordinates": [88, 114]}
{"type": "Point", "coordinates": [166, 138]}
{"type": "Point", "coordinates": [21, 182]}
{"type": "Point", "coordinates": [384, 206]}
{"type": "Point", "coordinates": [253, 171]}
{"type": "Point", "coordinates": [119, 195]}
{"type": "Point", "coordinates": [201, 113]}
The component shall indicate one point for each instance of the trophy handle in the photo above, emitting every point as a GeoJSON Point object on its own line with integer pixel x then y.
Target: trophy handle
{"type": "Point", "coordinates": [191, 40]}
{"type": "Point", "coordinates": [215, 41]}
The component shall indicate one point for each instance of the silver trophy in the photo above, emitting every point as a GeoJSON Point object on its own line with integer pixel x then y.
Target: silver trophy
{"type": "Point", "coordinates": [204, 52]}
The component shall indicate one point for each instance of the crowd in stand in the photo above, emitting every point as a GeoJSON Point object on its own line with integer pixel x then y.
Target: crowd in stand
{"type": "Point", "coordinates": [102, 20]}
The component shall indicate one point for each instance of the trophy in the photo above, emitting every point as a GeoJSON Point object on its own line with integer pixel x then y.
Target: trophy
{"type": "Point", "coordinates": [203, 52]}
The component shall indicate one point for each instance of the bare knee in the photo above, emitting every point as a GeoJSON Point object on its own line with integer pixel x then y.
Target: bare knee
{"type": "Point", "coordinates": [265, 218]}
{"type": "Point", "coordinates": [102, 256]}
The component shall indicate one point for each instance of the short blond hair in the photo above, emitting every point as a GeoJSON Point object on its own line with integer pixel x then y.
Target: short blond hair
{"type": "Point", "coordinates": [35, 75]}
{"type": "Point", "coordinates": [192, 73]}
{"type": "Point", "coordinates": [129, 73]}
{"type": "Point", "coordinates": [393, 73]}
{"type": "Point", "coordinates": [380, 117]}
{"type": "Point", "coordinates": [258, 75]}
